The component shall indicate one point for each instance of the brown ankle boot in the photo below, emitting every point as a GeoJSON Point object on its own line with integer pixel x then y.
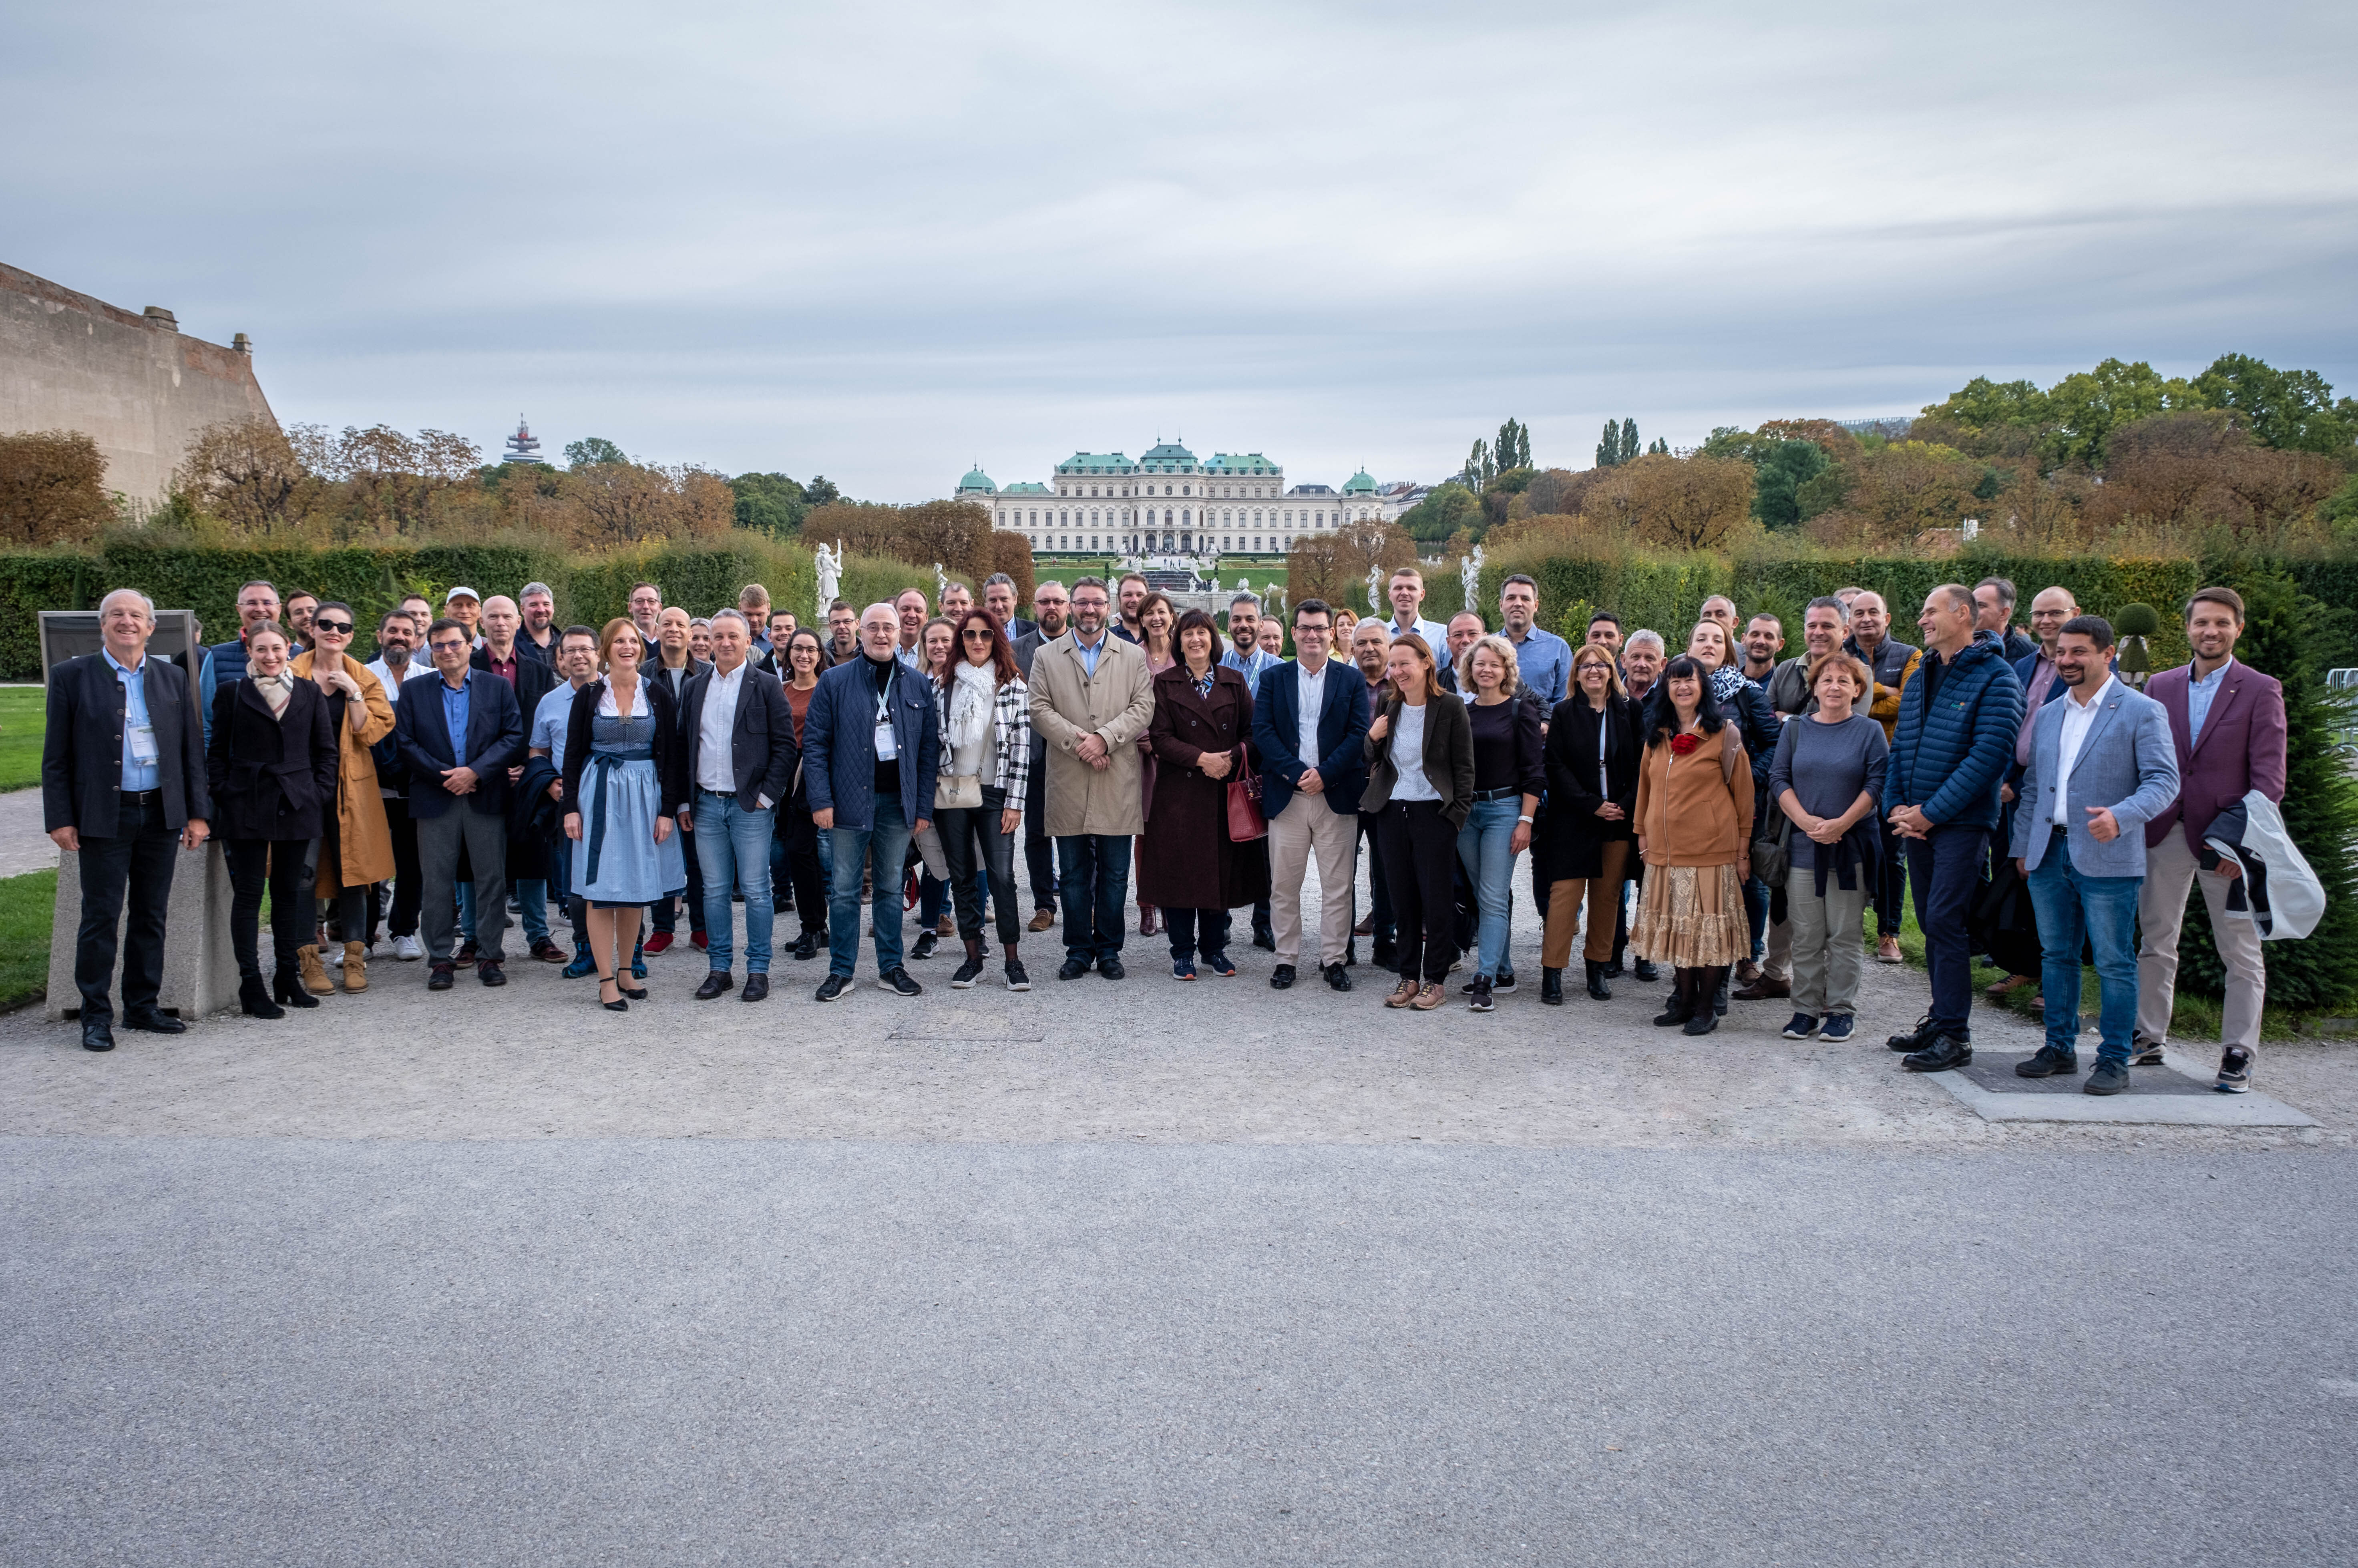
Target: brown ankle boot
{"type": "Point", "coordinates": [315, 973]}
{"type": "Point", "coordinates": [355, 967]}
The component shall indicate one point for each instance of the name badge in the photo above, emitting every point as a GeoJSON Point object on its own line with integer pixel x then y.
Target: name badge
{"type": "Point", "coordinates": [887, 748]}
{"type": "Point", "coordinates": [143, 743]}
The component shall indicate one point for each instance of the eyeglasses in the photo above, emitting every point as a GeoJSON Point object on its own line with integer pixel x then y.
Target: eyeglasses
{"type": "Point", "coordinates": [446, 646]}
{"type": "Point", "coordinates": [333, 628]}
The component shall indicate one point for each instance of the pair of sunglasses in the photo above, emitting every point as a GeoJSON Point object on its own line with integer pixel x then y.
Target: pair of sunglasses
{"type": "Point", "coordinates": [333, 628]}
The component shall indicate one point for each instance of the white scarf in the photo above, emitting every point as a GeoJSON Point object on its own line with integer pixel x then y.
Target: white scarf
{"type": "Point", "coordinates": [971, 691]}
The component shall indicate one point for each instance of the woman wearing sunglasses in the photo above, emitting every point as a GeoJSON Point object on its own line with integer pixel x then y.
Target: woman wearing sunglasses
{"type": "Point", "coordinates": [986, 725]}
{"type": "Point", "coordinates": [355, 845]}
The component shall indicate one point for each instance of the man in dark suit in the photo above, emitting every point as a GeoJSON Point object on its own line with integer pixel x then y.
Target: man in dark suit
{"type": "Point", "coordinates": [123, 772]}
{"type": "Point", "coordinates": [671, 662]}
{"type": "Point", "coordinates": [1310, 725]}
{"type": "Point", "coordinates": [999, 598]}
{"type": "Point", "coordinates": [458, 736]}
{"type": "Point", "coordinates": [2228, 722]}
{"type": "Point", "coordinates": [508, 654]}
{"type": "Point", "coordinates": [741, 758]}
{"type": "Point", "coordinates": [1050, 604]}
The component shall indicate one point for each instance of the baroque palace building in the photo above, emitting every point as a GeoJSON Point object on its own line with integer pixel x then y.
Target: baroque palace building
{"type": "Point", "coordinates": [1168, 501]}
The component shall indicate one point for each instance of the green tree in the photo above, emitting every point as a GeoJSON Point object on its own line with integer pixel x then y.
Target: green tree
{"type": "Point", "coordinates": [1780, 469]}
{"type": "Point", "coordinates": [769, 502]}
{"type": "Point", "coordinates": [591, 450]}
{"type": "Point", "coordinates": [821, 492]}
{"type": "Point", "coordinates": [1608, 447]}
{"type": "Point", "coordinates": [1481, 467]}
{"type": "Point", "coordinates": [1982, 404]}
{"type": "Point", "coordinates": [2089, 406]}
{"type": "Point", "coordinates": [1513, 447]}
{"type": "Point", "coordinates": [2320, 804]}
{"type": "Point", "coordinates": [1443, 513]}
{"type": "Point", "coordinates": [2289, 409]}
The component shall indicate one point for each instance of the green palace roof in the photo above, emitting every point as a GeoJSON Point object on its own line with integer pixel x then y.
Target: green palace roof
{"type": "Point", "coordinates": [1168, 453]}
{"type": "Point", "coordinates": [1359, 484]}
{"type": "Point", "coordinates": [975, 479]}
{"type": "Point", "coordinates": [1095, 463]}
{"type": "Point", "coordinates": [1025, 487]}
{"type": "Point", "coordinates": [1240, 462]}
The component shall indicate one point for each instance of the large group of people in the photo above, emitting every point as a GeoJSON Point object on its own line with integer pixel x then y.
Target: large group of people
{"type": "Point", "coordinates": [1714, 815]}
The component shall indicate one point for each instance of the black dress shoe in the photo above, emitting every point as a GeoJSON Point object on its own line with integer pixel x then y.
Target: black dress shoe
{"type": "Point", "coordinates": [898, 981]}
{"type": "Point", "coordinates": [715, 983]}
{"type": "Point", "coordinates": [96, 1035]}
{"type": "Point", "coordinates": [2049, 1063]}
{"type": "Point", "coordinates": [1265, 939]}
{"type": "Point", "coordinates": [490, 974]}
{"type": "Point", "coordinates": [757, 988]}
{"type": "Point", "coordinates": [1613, 970]}
{"type": "Point", "coordinates": [1073, 969]}
{"type": "Point", "coordinates": [806, 949]}
{"type": "Point", "coordinates": [833, 986]}
{"type": "Point", "coordinates": [1916, 1039]}
{"type": "Point", "coordinates": [1338, 977]}
{"type": "Point", "coordinates": [1110, 967]}
{"type": "Point", "coordinates": [1945, 1053]}
{"type": "Point", "coordinates": [154, 1023]}
{"type": "Point", "coordinates": [443, 977]}
{"type": "Point", "coordinates": [1282, 977]}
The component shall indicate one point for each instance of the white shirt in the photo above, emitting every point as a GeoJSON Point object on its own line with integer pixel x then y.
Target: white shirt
{"type": "Point", "coordinates": [1314, 693]}
{"type": "Point", "coordinates": [1408, 753]}
{"type": "Point", "coordinates": [716, 763]}
{"type": "Point", "coordinates": [385, 677]}
{"type": "Point", "coordinates": [2077, 718]}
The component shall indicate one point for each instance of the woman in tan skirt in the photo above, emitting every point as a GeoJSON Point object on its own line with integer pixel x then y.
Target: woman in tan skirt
{"type": "Point", "coordinates": [1694, 825]}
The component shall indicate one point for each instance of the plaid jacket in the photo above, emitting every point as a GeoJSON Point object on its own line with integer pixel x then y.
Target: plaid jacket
{"type": "Point", "coordinates": [1010, 730]}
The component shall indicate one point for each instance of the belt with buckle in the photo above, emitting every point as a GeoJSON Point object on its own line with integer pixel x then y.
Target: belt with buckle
{"type": "Point", "coordinates": [142, 796]}
{"type": "Point", "coordinates": [1503, 793]}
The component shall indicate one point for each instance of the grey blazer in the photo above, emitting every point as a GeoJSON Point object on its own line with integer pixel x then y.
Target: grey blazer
{"type": "Point", "coordinates": [2127, 764]}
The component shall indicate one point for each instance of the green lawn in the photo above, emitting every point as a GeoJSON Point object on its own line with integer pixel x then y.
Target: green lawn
{"type": "Point", "coordinates": [21, 708]}
{"type": "Point", "coordinates": [27, 904]}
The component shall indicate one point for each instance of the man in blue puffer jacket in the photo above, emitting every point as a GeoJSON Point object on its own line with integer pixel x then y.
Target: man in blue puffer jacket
{"type": "Point", "coordinates": [1953, 744]}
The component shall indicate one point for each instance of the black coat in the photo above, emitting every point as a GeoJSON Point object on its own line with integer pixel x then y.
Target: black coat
{"type": "Point", "coordinates": [81, 757]}
{"type": "Point", "coordinates": [1187, 860]}
{"type": "Point", "coordinates": [1572, 836]}
{"type": "Point", "coordinates": [670, 752]}
{"type": "Point", "coordinates": [272, 777]}
{"type": "Point", "coordinates": [763, 753]}
{"type": "Point", "coordinates": [535, 677]}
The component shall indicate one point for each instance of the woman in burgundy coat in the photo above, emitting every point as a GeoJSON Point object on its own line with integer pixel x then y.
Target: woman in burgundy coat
{"type": "Point", "coordinates": [1202, 737]}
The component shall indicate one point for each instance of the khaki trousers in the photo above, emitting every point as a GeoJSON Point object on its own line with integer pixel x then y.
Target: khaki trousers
{"type": "Point", "coordinates": [1603, 895]}
{"type": "Point", "coordinates": [2161, 912]}
{"type": "Point", "coordinates": [1823, 942]}
{"type": "Point", "coordinates": [1309, 824]}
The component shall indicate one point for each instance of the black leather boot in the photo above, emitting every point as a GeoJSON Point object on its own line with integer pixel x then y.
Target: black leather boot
{"type": "Point", "coordinates": [286, 986]}
{"type": "Point", "coordinates": [1552, 986]}
{"type": "Point", "coordinates": [1682, 1003]}
{"type": "Point", "coordinates": [1646, 970]}
{"type": "Point", "coordinates": [253, 998]}
{"type": "Point", "coordinates": [1597, 988]}
{"type": "Point", "coordinates": [1719, 991]}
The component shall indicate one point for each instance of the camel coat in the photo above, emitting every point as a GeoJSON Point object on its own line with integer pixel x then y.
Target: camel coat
{"type": "Point", "coordinates": [1116, 705]}
{"type": "Point", "coordinates": [363, 843]}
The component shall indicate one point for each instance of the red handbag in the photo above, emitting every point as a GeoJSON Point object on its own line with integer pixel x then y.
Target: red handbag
{"type": "Point", "coordinates": [1246, 822]}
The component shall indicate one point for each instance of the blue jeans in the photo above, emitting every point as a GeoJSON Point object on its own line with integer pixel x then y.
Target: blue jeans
{"type": "Point", "coordinates": [732, 841]}
{"type": "Point", "coordinates": [1485, 846]}
{"type": "Point", "coordinates": [846, 849]}
{"type": "Point", "coordinates": [1094, 873]}
{"type": "Point", "coordinates": [2100, 912]}
{"type": "Point", "coordinates": [1756, 911]}
{"type": "Point", "coordinates": [532, 899]}
{"type": "Point", "coordinates": [1944, 871]}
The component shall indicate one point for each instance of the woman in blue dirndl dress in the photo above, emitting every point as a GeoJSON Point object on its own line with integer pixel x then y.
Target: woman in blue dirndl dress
{"type": "Point", "coordinates": [623, 772]}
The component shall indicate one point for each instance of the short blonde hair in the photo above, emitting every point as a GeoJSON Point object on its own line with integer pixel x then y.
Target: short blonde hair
{"type": "Point", "coordinates": [1861, 677]}
{"type": "Point", "coordinates": [1493, 642]}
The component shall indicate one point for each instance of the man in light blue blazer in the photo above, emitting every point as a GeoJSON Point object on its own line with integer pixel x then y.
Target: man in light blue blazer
{"type": "Point", "coordinates": [2101, 766]}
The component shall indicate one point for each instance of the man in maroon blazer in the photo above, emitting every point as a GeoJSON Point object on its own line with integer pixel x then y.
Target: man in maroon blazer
{"type": "Point", "coordinates": [2228, 722]}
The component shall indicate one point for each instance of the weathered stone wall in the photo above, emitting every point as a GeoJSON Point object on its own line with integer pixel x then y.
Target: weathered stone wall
{"type": "Point", "coordinates": [135, 383]}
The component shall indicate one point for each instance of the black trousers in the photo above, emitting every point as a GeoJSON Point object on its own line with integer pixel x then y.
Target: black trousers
{"type": "Point", "coordinates": [278, 864]}
{"type": "Point", "coordinates": [1420, 851]}
{"type": "Point", "coordinates": [1380, 891]}
{"type": "Point", "coordinates": [971, 838]}
{"type": "Point", "coordinates": [798, 866]}
{"type": "Point", "coordinates": [138, 861]}
{"type": "Point", "coordinates": [408, 881]}
{"type": "Point", "coordinates": [1194, 931]}
{"type": "Point", "coordinates": [352, 899]}
{"type": "Point", "coordinates": [1040, 854]}
{"type": "Point", "coordinates": [666, 911]}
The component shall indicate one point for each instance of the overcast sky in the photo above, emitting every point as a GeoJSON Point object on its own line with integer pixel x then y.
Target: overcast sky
{"type": "Point", "coordinates": [882, 242]}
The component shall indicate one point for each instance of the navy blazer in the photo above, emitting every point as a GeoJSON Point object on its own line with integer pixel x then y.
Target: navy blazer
{"type": "Point", "coordinates": [840, 744]}
{"type": "Point", "coordinates": [1342, 733]}
{"type": "Point", "coordinates": [762, 740]}
{"type": "Point", "coordinates": [82, 758]}
{"type": "Point", "coordinates": [495, 741]}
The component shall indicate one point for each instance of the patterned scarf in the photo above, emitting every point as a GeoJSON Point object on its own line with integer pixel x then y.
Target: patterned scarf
{"type": "Point", "coordinates": [1725, 682]}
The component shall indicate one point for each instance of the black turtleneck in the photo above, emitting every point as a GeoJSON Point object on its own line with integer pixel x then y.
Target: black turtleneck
{"type": "Point", "coordinates": [881, 673]}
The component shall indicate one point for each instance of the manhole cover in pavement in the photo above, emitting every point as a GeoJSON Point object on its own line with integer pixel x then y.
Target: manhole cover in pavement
{"type": "Point", "coordinates": [954, 1024]}
{"type": "Point", "coordinates": [1994, 1070]}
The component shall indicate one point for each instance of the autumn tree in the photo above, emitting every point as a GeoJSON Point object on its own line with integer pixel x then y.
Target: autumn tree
{"type": "Point", "coordinates": [246, 472]}
{"type": "Point", "coordinates": [51, 487]}
{"type": "Point", "coordinates": [628, 504]}
{"type": "Point", "coordinates": [1896, 492]}
{"type": "Point", "coordinates": [957, 533]}
{"type": "Point", "coordinates": [1680, 504]}
{"type": "Point", "coordinates": [1334, 567]}
{"type": "Point", "coordinates": [384, 480]}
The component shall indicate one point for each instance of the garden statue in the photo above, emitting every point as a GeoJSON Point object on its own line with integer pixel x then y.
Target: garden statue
{"type": "Point", "coordinates": [1469, 577]}
{"type": "Point", "coordinates": [1375, 590]}
{"type": "Point", "coordinates": [941, 584]}
{"type": "Point", "coordinates": [831, 577]}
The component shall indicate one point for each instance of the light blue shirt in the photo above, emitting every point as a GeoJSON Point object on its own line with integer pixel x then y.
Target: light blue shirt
{"type": "Point", "coordinates": [454, 714]}
{"type": "Point", "coordinates": [551, 719]}
{"type": "Point", "coordinates": [1253, 668]}
{"type": "Point", "coordinates": [1089, 654]}
{"type": "Point", "coordinates": [2199, 694]}
{"type": "Point", "coordinates": [137, 777]}
{"type": "Point", "coordinates": [1543, 661]}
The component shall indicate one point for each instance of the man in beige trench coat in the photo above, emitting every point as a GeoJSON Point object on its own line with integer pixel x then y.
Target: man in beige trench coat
{"type": "Point", "coordinates": [1091, 699]}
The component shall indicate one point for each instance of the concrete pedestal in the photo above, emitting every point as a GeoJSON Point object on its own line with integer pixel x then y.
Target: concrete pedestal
{"type": "Point", "coordinates": [199, 970]}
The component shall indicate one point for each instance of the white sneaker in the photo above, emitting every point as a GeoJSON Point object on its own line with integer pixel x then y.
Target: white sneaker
{"type": "Point", "coordinates": [332, 955]}
{"type": "Point", "coordinates": [407, 949]}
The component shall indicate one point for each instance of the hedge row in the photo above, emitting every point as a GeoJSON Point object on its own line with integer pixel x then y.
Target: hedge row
{"type": "Point", "coordinates": [704, 576]}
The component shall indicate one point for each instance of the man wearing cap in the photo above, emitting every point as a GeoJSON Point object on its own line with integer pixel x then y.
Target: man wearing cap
{"type": "Point", "coordinates": [465, 606]}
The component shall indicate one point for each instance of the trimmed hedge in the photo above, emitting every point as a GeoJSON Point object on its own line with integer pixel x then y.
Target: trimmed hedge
{"type": "Point", "coordinates": [372, 580]}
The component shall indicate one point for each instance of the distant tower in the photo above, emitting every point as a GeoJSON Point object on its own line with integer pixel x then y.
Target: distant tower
{"type": "Point", "coordinates": [524, 447]}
